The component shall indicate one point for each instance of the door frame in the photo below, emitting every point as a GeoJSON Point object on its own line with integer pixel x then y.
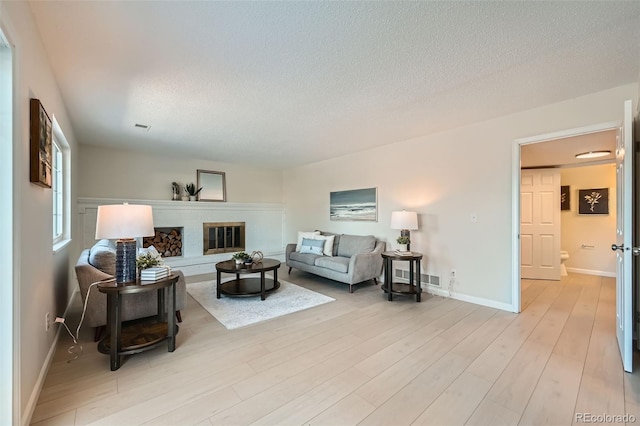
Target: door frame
{"type": "Point", "coordinates": [515, 194]}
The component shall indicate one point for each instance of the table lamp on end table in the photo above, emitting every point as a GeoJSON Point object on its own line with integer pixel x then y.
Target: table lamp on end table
{"type": "Point", "coordinates": [405, 221]}
{"type": "Point", "coordinates": [124, 222]}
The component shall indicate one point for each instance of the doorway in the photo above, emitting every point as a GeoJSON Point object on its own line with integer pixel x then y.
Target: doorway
{"type": "Point", "coordinates": [554, 140]}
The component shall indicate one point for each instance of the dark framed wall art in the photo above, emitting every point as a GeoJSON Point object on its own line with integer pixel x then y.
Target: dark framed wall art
{"type": "Point", "coordinates": [593, 201]}
{"type": "Point", "coordinates": [355, 204]}
{"type": "Point", "coordinates": [565, 197]}
{"type": "Point", "coordinates": [40, 158]}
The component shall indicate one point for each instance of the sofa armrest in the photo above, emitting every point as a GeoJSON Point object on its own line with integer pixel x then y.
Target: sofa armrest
{"type": "Point", "coordinates": [291, 247]}
{"type": "Point", "coordinates": [365, 266]}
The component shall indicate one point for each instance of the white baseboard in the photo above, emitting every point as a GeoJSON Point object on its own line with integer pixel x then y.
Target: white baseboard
{"type": "Point", "coordinates": [592, 272]}
{"type": "Point", "coordinates": [435, 290]}
{"type": "Point", "coordinates": [35, 394]}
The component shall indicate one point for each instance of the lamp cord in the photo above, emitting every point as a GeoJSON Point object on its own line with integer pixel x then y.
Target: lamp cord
{"type": "Point", "coordinates": [72, 348]}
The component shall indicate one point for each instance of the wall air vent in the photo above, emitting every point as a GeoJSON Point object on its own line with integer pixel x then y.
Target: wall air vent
{"type": "Point", "coordinates": [142, 126]}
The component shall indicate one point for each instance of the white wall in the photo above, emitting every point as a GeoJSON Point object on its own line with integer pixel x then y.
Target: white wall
{"type": "Point", "coordinates": [445, 178]}
{"type": "Point", "coordinates": [117, 173]}
{"type": "Point", "coordinates": [598, 231]}
{"type": "Point", "coordinates": [39, 274]}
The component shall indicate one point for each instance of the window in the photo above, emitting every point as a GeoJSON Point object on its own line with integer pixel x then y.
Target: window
{"type": "Point", "coordinates": [58, 192]}
{"type": "Point", "coordinates": [60, 187]}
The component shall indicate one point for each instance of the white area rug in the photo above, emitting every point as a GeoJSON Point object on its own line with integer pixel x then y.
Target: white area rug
{"type": "Point", "coordinates": [234, 312]}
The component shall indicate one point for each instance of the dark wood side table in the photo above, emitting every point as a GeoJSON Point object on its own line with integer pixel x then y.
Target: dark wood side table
{"type": "Point", "coordinates": [247, 286]}
{"type": "Point", "coordinates": [143, 334]}
{"type": "Point", "coordinates": [413, 287]}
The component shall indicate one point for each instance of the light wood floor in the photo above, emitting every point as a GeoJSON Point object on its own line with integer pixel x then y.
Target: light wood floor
{"type": "Point", "coordinates": [364, 360]}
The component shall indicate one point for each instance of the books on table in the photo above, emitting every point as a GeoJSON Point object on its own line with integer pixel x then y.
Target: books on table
{"type": "Point", "coordinates": [402, 252]}
{"type": "Point", "coordinates": [153, 274]}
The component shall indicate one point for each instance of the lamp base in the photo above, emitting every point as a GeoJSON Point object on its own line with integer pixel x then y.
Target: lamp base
{"type": "Point", "coordinates": [126, 260]}
{"type": "Point", "coordinates": [406, 233]}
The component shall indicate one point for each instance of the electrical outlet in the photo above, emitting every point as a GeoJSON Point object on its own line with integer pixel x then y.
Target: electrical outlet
{"type": "Point", "coordinates": [453, 273]}
{"type": "Point", "coordinates": [47, 321]}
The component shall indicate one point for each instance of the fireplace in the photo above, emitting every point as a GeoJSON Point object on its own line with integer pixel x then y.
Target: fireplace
{"type": "Point", "coordinates": [168, 241]}
{"type": "Point", "coordinates": [223, 237]}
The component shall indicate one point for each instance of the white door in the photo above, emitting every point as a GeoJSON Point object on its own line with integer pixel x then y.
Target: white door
{"type": "Point", "coordinates": [540, 224]}
{"type": "Point", "coordinates": [624, 234]}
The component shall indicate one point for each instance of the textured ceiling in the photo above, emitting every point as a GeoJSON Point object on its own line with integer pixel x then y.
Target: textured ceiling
{"type": "Point", "coordinates": [287, 83]}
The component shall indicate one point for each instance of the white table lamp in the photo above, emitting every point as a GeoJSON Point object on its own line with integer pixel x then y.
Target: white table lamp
{"type": "Point", "coordinates": [124, 222]}
{"type": "Point", "coordinates": [405, 221]}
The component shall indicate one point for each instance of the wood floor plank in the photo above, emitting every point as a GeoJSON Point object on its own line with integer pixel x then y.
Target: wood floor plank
{"type": "Point", "coordinates": [348, 411]}
{"type": "Point", "coordinates": [554, 398]}
{"type": "Point", "coordinates": [363, 360]}
{"type": "Point", "coordinates": [199, 409]}
{"type": "Point", "coordinates": [519, 379]}
{"type": "Point", "coordinates": [457, 403]}
{"type": "Point", "coordinates": [490, 413]}
{"type": "Point", "coordinates": [408, 403]}
{"type": "Point", "coordinates": [302, 409]}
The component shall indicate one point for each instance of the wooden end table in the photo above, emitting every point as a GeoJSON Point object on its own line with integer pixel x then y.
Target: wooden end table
{"type": "Point", "coordinates": [413, 287]}
{"type": "Point", "coordinates": [247, 287]}
{"type": "Point", "coordinates": [142, 334]}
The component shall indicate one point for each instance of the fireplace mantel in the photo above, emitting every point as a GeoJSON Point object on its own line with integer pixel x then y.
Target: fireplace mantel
{"type": "Point", "coordinates": [264, 226]}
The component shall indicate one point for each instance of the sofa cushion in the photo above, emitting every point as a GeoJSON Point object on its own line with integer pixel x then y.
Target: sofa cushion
{"type": "Point", "coordinates": [336, 263]}
{"type": "Point", "coordinates": [355, 244]}
{"type": "Point", "coordinates": [307, 258]}
{"type": "Point", "coordinates": [312, 246]}
{"type": "Point", "coordinates": [302, 234]}
{"type": "Point", "coordinates": [102, 256]}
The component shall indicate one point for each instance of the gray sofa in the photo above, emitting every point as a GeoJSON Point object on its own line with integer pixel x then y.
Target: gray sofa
{"type": "Point", "coordinates": [355, 259]}
{"type": "Point", "coordinates": [98, 263]}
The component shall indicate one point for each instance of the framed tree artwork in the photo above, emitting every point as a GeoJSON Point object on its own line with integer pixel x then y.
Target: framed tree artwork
{"type": "Point", "coordinates": [40, 158]}
{"type": "Point", "coordinates": [565, 197]}
{"type": "Point", "coordinates": [593, 201]}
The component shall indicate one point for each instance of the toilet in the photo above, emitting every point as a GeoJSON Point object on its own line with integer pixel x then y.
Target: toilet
{"type": "Point", "coordinates": [564, 255]}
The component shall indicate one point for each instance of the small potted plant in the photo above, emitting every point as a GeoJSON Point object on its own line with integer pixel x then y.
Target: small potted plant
{"type": "Point", "coordinates": [190, 189]}
{"type": "Point", "coordinates": [402, 241]}
{"type": "Point", "coordinates": [148, 259]}
{"type": "Point", "coordinates": [241, 257]}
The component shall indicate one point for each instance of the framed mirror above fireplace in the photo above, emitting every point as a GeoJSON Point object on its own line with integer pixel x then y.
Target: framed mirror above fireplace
{"type": "Point", "coordinates": [213, 186]}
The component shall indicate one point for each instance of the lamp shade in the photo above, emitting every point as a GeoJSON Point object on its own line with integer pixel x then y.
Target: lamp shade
{"type": "Point", "coordinates": [124, 221]}
{"type": "Point", "coordinates": [404, 220]}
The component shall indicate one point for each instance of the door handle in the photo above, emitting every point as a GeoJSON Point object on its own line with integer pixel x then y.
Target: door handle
{"type": "Point", "coordinates": [635, 251]}
{"type": "Point", "coordinates": [616, 247]}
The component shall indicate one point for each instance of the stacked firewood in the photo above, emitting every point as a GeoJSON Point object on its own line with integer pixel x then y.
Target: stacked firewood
{"type": "Point", "coordinates": [168, 244]}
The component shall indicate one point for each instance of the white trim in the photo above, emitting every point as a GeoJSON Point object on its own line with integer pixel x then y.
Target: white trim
{"type": "Point", "coordinates": [515, 191]}
{"type": "Point", "coordinates": [178, 205]}
{"type": "Point", "coordinates": [472, 299]}
{"type": "Point", "coordinates": [9, 346]}
{"type": "Point", "coordinates": [61, 244]}
{"type": "Point", "coordinates": [65, 148]}
{"type": "Point", "coordinates": [37, 388]}
{"type": "Point", "coordinates": [592, 272]}
{"type": "Point", "coordinates": [438, 291]}
{"type": "Point", "coordinates": [35, 394]}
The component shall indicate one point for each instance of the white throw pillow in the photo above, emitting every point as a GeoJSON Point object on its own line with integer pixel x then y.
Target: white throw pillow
{"type": "Point", "coordinates": [328, 244]}
{"type": "Point", "coordinates": [302, 235]}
